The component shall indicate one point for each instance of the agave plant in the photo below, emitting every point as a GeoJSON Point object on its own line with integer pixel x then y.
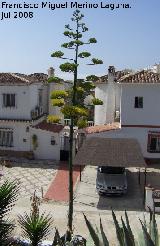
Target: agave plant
{"type": "Point", "coordinates": [147, 237]}
{"type": "Point", "coordinates": [8, 196]}
{"type": "Point", "coordinates": [68, 239]}
{"type": "Point", "coordinates": [35, 227]}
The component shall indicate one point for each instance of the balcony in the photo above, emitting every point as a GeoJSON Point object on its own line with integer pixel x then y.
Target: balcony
{"type": "Point", "coordinates": [37, 112]}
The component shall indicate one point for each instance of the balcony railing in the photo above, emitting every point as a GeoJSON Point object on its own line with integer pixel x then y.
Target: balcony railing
{"type": "Point", "coordinates": [67, 122]}
{"type": "Point", "coordinates": [37, 112]}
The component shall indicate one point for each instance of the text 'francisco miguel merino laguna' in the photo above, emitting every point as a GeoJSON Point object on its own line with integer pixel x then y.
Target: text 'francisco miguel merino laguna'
{"type": "Point", "coordinates": [64, 5]}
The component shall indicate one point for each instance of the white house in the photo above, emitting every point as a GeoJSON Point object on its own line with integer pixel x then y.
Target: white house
{"type": "Point", "coordinates": [130, 99]}
{"type": "Point", "coordinates": [133, 100]}
{"type": "Point", "coordinates": [24, 106]}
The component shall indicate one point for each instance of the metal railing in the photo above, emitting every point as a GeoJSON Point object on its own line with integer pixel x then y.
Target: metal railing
{"type": "Point", "coordinates": [67, 122]}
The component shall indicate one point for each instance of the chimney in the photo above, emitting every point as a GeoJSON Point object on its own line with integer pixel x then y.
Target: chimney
{"type": "Point", "coordinates": [111, 70]}
{"type": "Point", "coordinates": [111, 74]}
{"type": "Point", "coordinates": [51, 72]}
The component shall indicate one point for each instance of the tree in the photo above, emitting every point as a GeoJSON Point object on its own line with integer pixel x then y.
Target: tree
{"type": "Point", "coordinates": [72, 101]}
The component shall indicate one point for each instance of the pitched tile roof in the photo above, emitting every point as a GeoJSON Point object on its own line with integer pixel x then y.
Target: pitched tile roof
{"type": "Point", "coordinates": [49, 127]}
{"type": "Point", "coordinates": [143, 76]}
{"type": "Point", "coordinates": [21, 79]}
{"type": "Point", "coordinates": [117, 152]}
{"type": "Point", "coordinates": [35, 77]}
{"type": "Point", "coordinates": [102, 128]}
{"type": "Point", "coordinates": [118, 75]}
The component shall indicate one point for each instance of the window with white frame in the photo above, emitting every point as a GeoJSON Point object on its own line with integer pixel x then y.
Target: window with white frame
{"type": "Point", "coordinates": [153, 142]}
{"type": "Point", "coordinates": [138, 102]}
{"type": "Point", "coordinates": [9, 100]}
{"type": "Point", "coordinates": [6, 137]}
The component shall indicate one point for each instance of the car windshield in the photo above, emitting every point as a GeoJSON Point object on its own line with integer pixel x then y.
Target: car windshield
{"type": "Point", "coordinates": [111, 170]}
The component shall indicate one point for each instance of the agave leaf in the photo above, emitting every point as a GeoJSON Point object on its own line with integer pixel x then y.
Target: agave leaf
{"type": "Point", "coordinates": [147, 238]}
{"type": "Point", "coordinates": [68, 244]}
{"type": "Point", "coordinates": [119, 230]}
{"type": "Point", "coordinates": [154, 230]}
{"type": "Point", "coordinates": [144, 221]}
{"type": "Point", "coordinates": [141, 241]}
{"type": "Point", "coordinates": [105, 240]}
{"type": "Point", "coordinates": [150, 219]}
{"type": "Point", "coordinates": [129, 241]}
{"type": "Point", "coordinates": [93, 233]}
{"type": "Point", "coordinates": [57, 239]}
{"type": "Point", "coordinates": [128, 227]}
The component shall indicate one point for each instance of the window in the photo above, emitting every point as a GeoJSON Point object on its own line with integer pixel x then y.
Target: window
{"type": "Point", "coordinates": [111, 170]}
{"type": "Point", "coordinates": [6, 137]}
{"type": "Point", "coordinates": [154, 142]}
{"type": "Point", "coordinates": [138, 102]}
{"type": "Point", "coordinates": [9, 100]}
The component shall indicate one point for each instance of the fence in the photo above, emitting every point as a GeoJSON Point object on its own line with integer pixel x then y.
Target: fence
{"type": "Point", "coordinates": [152, 199]}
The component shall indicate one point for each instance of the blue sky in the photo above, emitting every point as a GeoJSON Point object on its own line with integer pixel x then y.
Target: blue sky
{"type": "Point", "coordinates": [127, 38]}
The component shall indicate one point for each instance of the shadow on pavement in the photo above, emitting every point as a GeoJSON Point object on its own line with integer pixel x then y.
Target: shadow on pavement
{"type": "Point", "coordinates": [133, 200]}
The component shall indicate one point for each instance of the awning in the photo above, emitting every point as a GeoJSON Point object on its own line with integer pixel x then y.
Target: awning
{"type": "Point", "coordinates": [121, 152]}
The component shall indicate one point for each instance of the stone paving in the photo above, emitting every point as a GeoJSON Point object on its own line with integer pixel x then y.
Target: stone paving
{"type": "Point", "coordinates": [31, 176]}
{"type": "Point", "coordinates": [34, 175]}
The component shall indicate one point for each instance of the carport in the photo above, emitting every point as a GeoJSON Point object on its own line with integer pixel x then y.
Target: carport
{"type": "Point", "coordinates": [117, 152]}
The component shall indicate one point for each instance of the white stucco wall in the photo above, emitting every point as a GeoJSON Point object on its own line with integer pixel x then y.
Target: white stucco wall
{"type": "Point", "coordinates": [45, 150]}
{"type": "Point", "coordinates": [19, 134]}
{"type": "Point", "coordinates": [26, 100]}
{"type": "Point", "coordinates": [109, 93]}
{"type": "Point", "coordinates": [141, 134]}
{"type": "Point", "coordinates": [150, 113]}
{"type": "Point", "coordinates": [117, 96]}
{"type": "Point", "coordinates": [100, 110]}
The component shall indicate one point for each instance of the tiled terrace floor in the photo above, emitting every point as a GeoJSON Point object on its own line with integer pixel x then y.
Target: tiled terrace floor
{"type": "Point", "coordinates": [31, 176]}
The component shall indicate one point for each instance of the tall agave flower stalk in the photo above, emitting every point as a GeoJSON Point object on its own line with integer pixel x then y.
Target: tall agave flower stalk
{"type": "Point", "coordinates": [35, 227]}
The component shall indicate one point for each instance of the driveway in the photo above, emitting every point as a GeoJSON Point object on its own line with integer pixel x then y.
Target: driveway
{"type": "Point", "coordinates": [86, 193]}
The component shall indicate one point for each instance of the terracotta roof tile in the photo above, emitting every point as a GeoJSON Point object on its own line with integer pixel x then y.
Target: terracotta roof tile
{"type": "Point", "coordinates": [48, 127]}
{"type": "Point", "coordinates": [143, 76]}
{"type": "Point", "coordinates": [21, 79]}
{"type": "Point", "coordinates": [35, 77]}
{"type": "Point", "coordinates": [102, 128]}
{"type": "Point", "coordinates": [121, 152]}
{"type": "Point", "coordinates": [118, 75]}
